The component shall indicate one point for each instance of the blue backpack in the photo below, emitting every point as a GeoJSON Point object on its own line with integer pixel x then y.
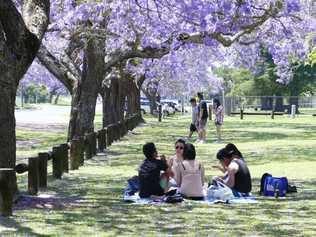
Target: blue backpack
{"type": "Point", "coordinates": [274, 186]}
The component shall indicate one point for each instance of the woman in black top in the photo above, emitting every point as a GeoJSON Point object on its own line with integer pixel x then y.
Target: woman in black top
{"type": "Point", "coordinates": [237, 173]}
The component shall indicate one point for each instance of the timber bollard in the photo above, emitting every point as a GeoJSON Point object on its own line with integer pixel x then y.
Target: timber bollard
{"type": "Point", "coordinates": [272, 114]}
{"type": "Point", "coordinates": [76, 153]}
{"type": "Point", "coordinates": [123, 128]}
{"type": "Point", "coordinates": [159, 112]}
{"type": "Point", "coordinates": [33, 176]}
{"type": "Point", "coordinates": [116, 131]}
{"type": "Point", "coordinates": [128, 124]}
{"type": "Point", "coordinates": [135, 123]}
{"type": "Point", "coordinates": [94, 143]}
{"type": "Point", "coordinates": [210, 112]}
{"type": "Point", "coordinates": [57, 162]}
{"type": "Point", "coordinates": [107, 136]}
{"type": "Point", "coordinates": [110, 134]}
{"type": "Point", "coordinates": [87, 146]}
{"type": "Point", "coordinates": [101, 135]}
{"type": "Point", "coordinates": [7, 182]}
{"type": "Point", "coordinates": [241, 114]}
{"type": "Point", "coordinates": [42, 169]}
{"type": "Point", "coordinates": [64, 153]}
{"type": "Point", "coordinates": [119, 130]}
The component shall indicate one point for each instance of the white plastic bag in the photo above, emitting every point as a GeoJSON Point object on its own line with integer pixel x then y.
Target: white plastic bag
{"type": "Point", "coordinates": [219, 191]}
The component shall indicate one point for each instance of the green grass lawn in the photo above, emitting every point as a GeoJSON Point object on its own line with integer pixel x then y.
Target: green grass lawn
{"type": "Point", "coordinates": [87, 202]}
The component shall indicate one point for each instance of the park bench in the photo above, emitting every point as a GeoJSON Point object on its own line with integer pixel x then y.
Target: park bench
{"type": "Point", "coordinates": [272, 114]}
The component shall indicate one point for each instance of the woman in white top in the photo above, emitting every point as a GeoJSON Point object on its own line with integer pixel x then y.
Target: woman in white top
{"type": "Point", "coordinates": [178, 157]}
{"type": "Point", "coordinates": [189, 175]}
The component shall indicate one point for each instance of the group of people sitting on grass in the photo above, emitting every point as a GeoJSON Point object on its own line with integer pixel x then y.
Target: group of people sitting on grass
{"type": "Point", "coordinates": [183, 171]}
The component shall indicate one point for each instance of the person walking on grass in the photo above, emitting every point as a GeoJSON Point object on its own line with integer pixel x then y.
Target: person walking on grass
{"type": "Point", "coordinates": [195, 114]}
{"type": "Point", "coordinates": [202, 118]}
{"type": "Point", "coordinates": [218, 111]}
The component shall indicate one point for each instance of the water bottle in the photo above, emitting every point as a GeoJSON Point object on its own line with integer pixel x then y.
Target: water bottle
{"type": "Point", "coordinates": [276, 190]}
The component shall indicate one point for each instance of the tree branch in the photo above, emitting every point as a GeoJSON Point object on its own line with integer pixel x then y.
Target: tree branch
{"type": "Point", "coordinates": [57, 68]}
{"type": "Point", "coordinates": [227, 41]}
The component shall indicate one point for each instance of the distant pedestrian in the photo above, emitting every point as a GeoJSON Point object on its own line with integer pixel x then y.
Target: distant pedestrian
{"type": "Point", "coordinates": [195, 114]}
{"type": "Point", "coordinates": [219, 118]}
{"type": "Point", "coordinates": [202, 118]}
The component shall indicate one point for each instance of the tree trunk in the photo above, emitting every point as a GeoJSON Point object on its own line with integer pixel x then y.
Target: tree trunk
{"type": "Point", "coordinates": [56, 99]}
{"type": "Point", "coordinates": [7, 123]}
{"type": "Point", "coordinates": [20, 39]}
{"type": "Point", "coordinates": [86, 90]}
{"type": "Point", "coordinates": [133, 98]}
{"type": "Point", "coordinates": [113, 101]}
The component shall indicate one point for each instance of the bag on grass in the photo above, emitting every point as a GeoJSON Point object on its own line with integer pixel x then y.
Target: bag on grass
{"type": "Point", "coordinates": [173, 198]}
{"type": "Point", "coordinates": [273, 186]}
{"type": "Point", "coordinates": [132, 186]}
{"type": "Point", "coordinates": [219, 191]}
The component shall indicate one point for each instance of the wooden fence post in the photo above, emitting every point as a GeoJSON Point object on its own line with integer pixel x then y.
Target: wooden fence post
{"type": "Point", "coordinates": [87, 146]}
{"type": "Point", "coordinates": [272, 114]}
{"type": "Point", "coordinates": [210, 112]}
{"type": "Point", "coordinates": [42, 169]}
{"type": "Point", "coordinates": [159, 112]}
{"type": "Point", "coordinates": [33, 176]}
{"type": "Point", "coordinates": [7, 180]}
{"type": "Point", "coordinates": [64, 150]}
{"type": "Point", "coordinates": [119, 130]}
{"type": "Point", "coordinates": [110, 134]}
{"type": "Point", "coordinates": [241, 113]}
{"type": "Point", "coordinates": [113, 131]}
{"type": "Point", "coordinates": [107, 136]}
{"type": "Point", "coordinates": [101, 135]}
{"type": "Point", "coordinates": [134, 121]}
{"type": "Point", "coordinates": [93, 143]}
{"type": "Point", "coordinates": [128, 124]}
{"type": "Point", "coordinates": [57, 162]}
{"type": "Point", "coordinates": [123, 128]}
{"type": "Point", "coordinates": [81, 151]}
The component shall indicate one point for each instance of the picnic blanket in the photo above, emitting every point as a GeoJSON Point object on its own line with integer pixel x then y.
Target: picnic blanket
{"type": "Point", "coordinates": [131, 195]}
{"type": "Point", "coordinates": [135, 199]}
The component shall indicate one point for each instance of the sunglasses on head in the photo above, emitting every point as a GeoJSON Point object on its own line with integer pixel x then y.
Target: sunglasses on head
{"type": "Point", "coordinates": [179, 147]}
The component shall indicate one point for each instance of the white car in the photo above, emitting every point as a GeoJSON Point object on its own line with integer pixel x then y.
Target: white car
{"type": "Point", "coordinates": [176, 104]}
{"type": "Point", "coordinates": [167, 109]}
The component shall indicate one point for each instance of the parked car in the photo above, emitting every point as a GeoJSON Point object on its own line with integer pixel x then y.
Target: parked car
{"type": "Point", "coordinates": [176, 104]}
{"type": "Point", "coordinates": [167, 108]}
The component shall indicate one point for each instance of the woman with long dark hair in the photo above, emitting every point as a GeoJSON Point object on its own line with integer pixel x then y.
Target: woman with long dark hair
{"type": "Point", "coordinates": [218, 111]}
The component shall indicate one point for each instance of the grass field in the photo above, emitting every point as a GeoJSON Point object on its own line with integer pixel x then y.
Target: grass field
{"type": "Point", "coordinates": [88, 202]}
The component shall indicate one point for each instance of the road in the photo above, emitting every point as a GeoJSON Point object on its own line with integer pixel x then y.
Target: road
{"type": "Point", "coordinates": [45, 117]}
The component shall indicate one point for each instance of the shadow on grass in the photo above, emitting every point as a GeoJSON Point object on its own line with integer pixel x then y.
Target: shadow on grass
{"type": "Point", "coordinates": [96, 191]}
{"type": "Point", "coordinates": [11, 223]}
